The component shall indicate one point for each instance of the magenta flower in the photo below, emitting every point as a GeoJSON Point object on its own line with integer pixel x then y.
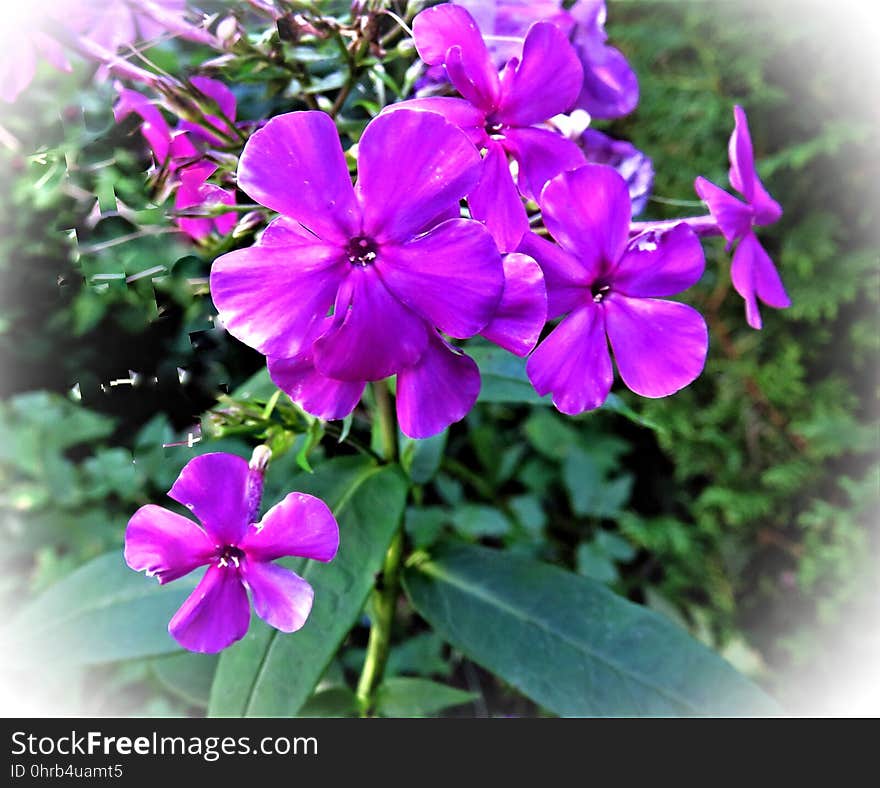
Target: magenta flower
{"type": "Point", "coordinates": [635, 167]}
{"type": "Point", "coordinates": [112, 24]}
{"type": "Point", "coordinates": [610, 87]}
{"type": "Point", "coordinates": [194, 191]}
{"type": "Point", "coordinates": [752, 271]}
{"type": "Point", "coordinates": [501, 113]}
{"type": "Point", "coordinates": [353, 284]}
{"type": "Point", "coordinates": [18, 61]}
{"type": "Point", "coordinates": [224, 493]}
{"type": "Point", "coordinates": [611, 289]}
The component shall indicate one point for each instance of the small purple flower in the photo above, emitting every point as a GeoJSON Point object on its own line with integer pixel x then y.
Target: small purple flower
{"type": "Point", "coordinates": [224, 493]}
{"type": "Point", "coordinates": [610, 87]}
{"type": "Point", "coordinates": [194, 191]}
{"type": "Point", "coordinates": [633, 165]}
{"type": "Point", "coordinates": [112, 24]}
{"type": "Point", "coordinates": [611, 289]}
{"type": "Point", "coordinates": [353, 284]}
{"type": "Point", "coordinates": [752, 271]}
{"type": "Point", "coordinates": [501, 113]}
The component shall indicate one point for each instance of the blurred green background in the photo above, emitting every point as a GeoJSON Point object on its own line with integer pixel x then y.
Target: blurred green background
{"type": "Point", "coordinates": [745, 507]}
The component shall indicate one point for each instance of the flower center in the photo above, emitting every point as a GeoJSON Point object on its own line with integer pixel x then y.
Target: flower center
{"type": "Point", "coordinates": [361, 251]}
{"type": "Point", "coordinates": [230, 554]}
{"type": "Point", "coordinates": [493, 129]}
{"type": "Point", "coordinates": [601, 290]}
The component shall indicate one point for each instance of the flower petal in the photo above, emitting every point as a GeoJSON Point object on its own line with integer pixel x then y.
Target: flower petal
{"type": "Point", "coordinates": [660, 263]}
{"type": "Point", "coordinates": [295, 165]}
{"type": "Point", "coordinates": [460, 113]}
{"type": "Point", "coordinates": [287, 232]}
{"type": "Point", "coordinates": [588, 212]}
{"type": "Point", "coordinates": [214, 488]}
{"type": "Point", "coordinates": [742, 174]}
{"type": "Point", "coordinates": [566, 278]}
{"type": "Point", "coordinates": [573, 362]}
{"type": "Point", "coordinates": [754, 276]}
{"type": "Point", "coordinates": [436, 30]}
{"type": "Point", "coordinates": [734, 217]}
{"type": "Point", "coordinates": [438, 391]}
{"type": "Point", "coordinates": [521, 315]}
{"type": "Point", "coordinates": [154, 127]}
{"type": "Point", "coordinates": [373, 334]}
{"type": "Point", "coordinates": [270, 297]}
{"type": "Point", "coordinates": [611, 87]}
{"type": "Point", "coordinates": [299, 525]}
{"type": "Point", "coordinates": [451, 276]}
{"type": "Point", "coordinates": [659, 346]}
{"type": "Point", "coordinates": [281, 597]}
{"type": "Point", "coordinates": [17, 68]}
{"type": "Point", "coordinates": [412, 167]}
{"type": "Point", "coordinates": [194, 191]}
{"type": "Point", "coordinates": [215, 615]}
{"type": "Point", "coordinates": [545, 82]}
{"type": "Point", "coordinates": [225, 100]}
{"type": "Point", "coordinates": [495, 200]}
{"type": "Point", "coordinates": [541, 154]}
{"type": "Point", "coordinates": [164, 544]}
{"type": "Point", "coordinates": [315, 393]}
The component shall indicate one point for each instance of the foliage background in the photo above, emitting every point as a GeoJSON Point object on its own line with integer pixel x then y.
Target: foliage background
{"type": "Point", "coordinates": [745, 507]}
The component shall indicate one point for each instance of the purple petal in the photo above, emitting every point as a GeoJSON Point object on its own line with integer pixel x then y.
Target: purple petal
{"type": "Point", "coordinates": [452, 276]}
{"type": "Point", "coordinates": [287, 232]}
{"type": "Point", "coordinates": [50, 49]}
{"type": "Point", "coordinates": [660, 263]}
{"type": "Point", "coordinates": [214, 488]}
{"type": "Point", "coordinates": [588, 212]}
{"type": "Point", "coordinates": [436, 30]}
{"type": "Point", "coordinates": [412, 167]}
{"type": "Point", "coordinates": [633, 165]}
{"type": "Point", "coordinates": [281, 597]}
{"type": "Point", "coordinates": [521, 315]}
{"type": "Point", "coordinates": [742, 174]}
{"type": "Point", "coordinates": [225, 100]}
{"type": "Point", "coordinates": [299, 525]}
{"type": "Point", "coordinates": [565, 277]}
{"type": "Point", "coordinates": [541, 154]}
{"type": "Point", "coordinates": [17, 68]}
{"type": "Point", "coordinates": [460, 113]}
{"type": "Point", "coordinates": [544, 83]}
{"type": "Point", "coordinates": [733, 217]}
{"type": "Point", "coordinates": [659, 346]}
{"type": "Point", "coordinates": [438, 391]}
{"type": "Point", "coordinates": [164, 544]}
{"type": "Point", "coordinates": [373, 334]}
{"type": "Point", "coordinates": [754, 276]}
{"type": "Point", "coordinates": [154, 128]}
{"type": "Point", "coordinates": [611, 87]}
{"type": "Point", "coordinates": [295, 165]}
{"type": "Point", "coordinates": [315, 393]}
{"type": "Point", "coordinates": [573, 362]}
{"type": "Point", "coordinates": [270, 297]}
{"type": "Point", "coordinates": [495, 200]}
{"type": "Point", "coordinates": [215, 615]}
{"type": "Point", "coordinates": [193, 191]}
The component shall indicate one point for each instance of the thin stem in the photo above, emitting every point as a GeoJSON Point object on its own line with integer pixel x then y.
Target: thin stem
{"type": "Point", "coordinates": [387, 421]}
{"type": "Point", "coordinates": [701, 225]}
{"type": "Point", "coordinates": [384, 601]}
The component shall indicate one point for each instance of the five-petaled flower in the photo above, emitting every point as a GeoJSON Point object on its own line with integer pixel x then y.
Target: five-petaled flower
{"type": "Point", "coordinates": [611, 289]}
{"type": "Point", "coordinates": [351, 285]}
{"type": "Point", "coordinates": [752, 271]}
{"type": "Point", "coordinates": [224, 493]}
{"type": "Point", "coordinates": [501, 112]}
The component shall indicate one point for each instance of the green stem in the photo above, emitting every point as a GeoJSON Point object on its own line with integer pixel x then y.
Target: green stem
{"type": "Point", "coordinates": [384, 596]}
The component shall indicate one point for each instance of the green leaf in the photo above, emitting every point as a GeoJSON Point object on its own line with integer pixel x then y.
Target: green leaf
{"type": "Point", "coordinates": [421, 458]}
{"type": "Point", "coordinates": [475, 520]}
{"type": "Point", "coordinates": [270, 673]}
{"type": "Point", "coordinates": [331, 702]}
{"type": "Point", "coordinates": [187, 675]}
{"type": "Point", "coordinates": [103, 612]}
{"type": "Point", "coordinates": [503, 375]}
{"type": "Point", "coordinates": [411, 697]}
{"type": "Point", "coordinates": [569, 643]}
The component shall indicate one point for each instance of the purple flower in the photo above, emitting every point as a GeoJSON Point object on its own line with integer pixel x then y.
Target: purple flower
{"type": "Point", "coordinates": [223, 492]}
{"type": "Point", "coordinates": [752, 271]}
{"type": "Point", "coordinates": [118, 23]}
{"type": "Point", "coordinates": [611, 289]}
{"type": "Point", "coordinates": [610, 87]}
{"type": "Point", "coordinates": [500, 113]}
{"type": "Point", "coordinates": [194, 191]}
{"type": "Point", "coordinates": [633, 165]}
{"type": "Point", "coordinates": [22, 43]}
{"type": "Point", "coordinates": [351, 285]}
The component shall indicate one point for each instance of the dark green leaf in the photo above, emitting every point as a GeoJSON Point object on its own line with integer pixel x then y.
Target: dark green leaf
{"type": "Point", "coordinates": [187, 675]}
{"type": "Point", "coordinates": [273, 674]}
{"type": "Point", "coordinates": [411, 697]}
{"type": "Point", "coordinates": [503, 375]}
{"type": "Point", "coordinates": [569, 643]}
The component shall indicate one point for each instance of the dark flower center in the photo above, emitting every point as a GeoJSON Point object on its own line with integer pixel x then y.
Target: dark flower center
{"type": "Point", "coordinates": [230, 555]}
{"type": "Point", "coordinates": [494, 128]}
{"type": "Point", "coordinates": [361, 251]}
{"type": "Point", "coordinates": [601, 290]}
